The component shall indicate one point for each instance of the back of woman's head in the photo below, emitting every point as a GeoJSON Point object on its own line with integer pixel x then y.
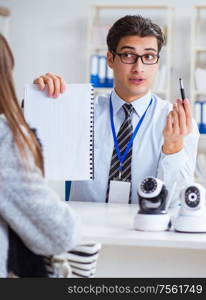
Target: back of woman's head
{"type": "Point", "coordinates": [6, 68]}
{"type": "Point", "coordinates": [9, 106]}
{"type": "Point", "coordinates": [6, 57]}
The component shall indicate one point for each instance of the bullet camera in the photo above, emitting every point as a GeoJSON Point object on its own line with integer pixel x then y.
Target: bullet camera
{"type": "Point", "coordinates": [192, 214]}
{"type": "Point", "coordinates": [152, 196]}
{"type": "Point", "coordinates": [152, 214]}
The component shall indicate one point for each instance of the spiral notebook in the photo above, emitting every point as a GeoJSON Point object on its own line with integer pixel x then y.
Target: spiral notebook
{"type": "Point", "coordinates": [65, 127]}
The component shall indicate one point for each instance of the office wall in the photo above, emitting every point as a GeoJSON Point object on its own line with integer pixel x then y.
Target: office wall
{"type": "Point", "coordinates": [51, 35]}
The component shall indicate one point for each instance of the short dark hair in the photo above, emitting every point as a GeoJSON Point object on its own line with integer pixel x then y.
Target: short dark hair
{"type": "Point", "coordinates": [133, 25]}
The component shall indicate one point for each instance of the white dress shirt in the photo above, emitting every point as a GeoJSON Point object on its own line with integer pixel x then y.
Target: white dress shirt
{"type": "Point", "coordinates": [176, 170]}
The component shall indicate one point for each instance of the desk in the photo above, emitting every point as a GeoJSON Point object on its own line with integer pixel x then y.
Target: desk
{"type": "Point", "coordinates": [130, 253]}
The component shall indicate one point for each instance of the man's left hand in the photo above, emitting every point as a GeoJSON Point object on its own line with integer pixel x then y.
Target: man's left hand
{"type": "Point", "coordinates": [178, 125]}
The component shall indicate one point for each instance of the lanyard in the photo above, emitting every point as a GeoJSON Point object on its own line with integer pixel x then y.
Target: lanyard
{"type": "Point", "coordinates": [129, 145]}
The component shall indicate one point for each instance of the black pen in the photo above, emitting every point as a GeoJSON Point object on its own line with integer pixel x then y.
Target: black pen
{"type": "Point", "coordinates": [182, 91]}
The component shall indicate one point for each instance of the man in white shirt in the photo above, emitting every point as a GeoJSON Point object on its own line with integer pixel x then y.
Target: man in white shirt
{"type": "Point", "coordinates": [165, 144]}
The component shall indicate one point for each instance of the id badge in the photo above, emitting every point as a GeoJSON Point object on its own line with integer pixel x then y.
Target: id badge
{"type": "Point", "coordinates": [119, 191]}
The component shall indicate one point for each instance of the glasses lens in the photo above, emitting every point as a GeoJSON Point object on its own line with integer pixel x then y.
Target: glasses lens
{"type": "Point", "coordinates": [149, 59]}
{"type": "Point", "coordinates": [128, 58]}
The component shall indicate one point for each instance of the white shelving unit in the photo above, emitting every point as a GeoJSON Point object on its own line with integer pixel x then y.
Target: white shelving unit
{"type": "Point", "coordinates": [198, 60]}
{"type": "Point", "coordinates": [198, 52]}
{"type": "Point", "coordinates": [197, 86]}
{"type": "Point", "coordinates": [103, 16]}
{"type": "Point", "coordinates": [4, 21]}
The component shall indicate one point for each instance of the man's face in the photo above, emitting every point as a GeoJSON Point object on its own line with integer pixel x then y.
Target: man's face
{"type": "Point", "coordinates": [133, 81]}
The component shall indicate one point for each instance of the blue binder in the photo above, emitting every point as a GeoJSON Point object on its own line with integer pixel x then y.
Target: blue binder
{"type": "Point", "coordinates": [67, 190]}
{"type": "Point", "coordinates": [200, 106]}
{"type": "Point", "coordinates": [100, 75]}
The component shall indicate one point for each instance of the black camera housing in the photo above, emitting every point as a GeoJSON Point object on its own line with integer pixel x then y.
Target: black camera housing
{"type": "Point", "coordinates": [161, 198]}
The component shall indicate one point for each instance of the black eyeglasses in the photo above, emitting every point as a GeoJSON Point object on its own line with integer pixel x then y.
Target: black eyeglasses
{"type": "Point", "coordinates": [131, 58]}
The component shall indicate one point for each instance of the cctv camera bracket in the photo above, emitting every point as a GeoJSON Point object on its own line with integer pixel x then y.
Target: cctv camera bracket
{"type": "Point", "coordinates": [150, 222]}
{"type": "Point", "coordinates": [190, 223]}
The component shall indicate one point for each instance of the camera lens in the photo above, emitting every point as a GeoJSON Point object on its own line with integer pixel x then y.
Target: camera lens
{"type": "Point", "coordinates": [192, 197]}
{"type": "Point", "coordinates": [149, 185]}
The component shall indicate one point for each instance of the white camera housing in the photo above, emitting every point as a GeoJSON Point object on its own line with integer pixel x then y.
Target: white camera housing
{"type": "Point", "coordinates": [193, 200]}
{"type": "Point", "coordinates": [192, 214]}
{"type": "Point", "coordinates": [150, 187]}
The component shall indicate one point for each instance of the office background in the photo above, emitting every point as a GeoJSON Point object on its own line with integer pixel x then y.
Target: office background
{"type": "Point", "coordinates": [51, 35]}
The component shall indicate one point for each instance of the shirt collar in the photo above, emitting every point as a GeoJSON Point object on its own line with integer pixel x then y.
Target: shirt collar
{"type": "Point", "coordinates": [140, 105]}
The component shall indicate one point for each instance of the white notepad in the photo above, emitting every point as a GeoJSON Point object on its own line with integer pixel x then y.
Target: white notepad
{"type": "Point", "coordinates": [65, 126]}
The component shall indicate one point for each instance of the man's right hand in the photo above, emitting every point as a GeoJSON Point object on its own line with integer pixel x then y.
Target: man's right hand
{"type": "Point", "coordinates": [55, 83]}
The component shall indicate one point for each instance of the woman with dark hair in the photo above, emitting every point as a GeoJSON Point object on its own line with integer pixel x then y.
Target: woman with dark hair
{"type": "Point", "coordinates": [33, 221]}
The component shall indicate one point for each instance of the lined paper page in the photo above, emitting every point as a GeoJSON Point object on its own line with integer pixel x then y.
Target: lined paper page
{"type": "Point", "coordinates": [63, 126]}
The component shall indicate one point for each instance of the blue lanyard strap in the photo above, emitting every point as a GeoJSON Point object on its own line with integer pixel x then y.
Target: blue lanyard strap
{"type": "Point", "coordinates": [129, 145]}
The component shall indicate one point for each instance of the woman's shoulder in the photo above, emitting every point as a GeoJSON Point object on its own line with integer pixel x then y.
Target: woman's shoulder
{"type": "Point", "coordinates": [5, 130]}
{"type": "Point", "coordinates": [7, 145]}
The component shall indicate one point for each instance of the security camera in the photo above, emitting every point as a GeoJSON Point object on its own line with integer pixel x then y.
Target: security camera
{"type": "Point", "coordinates": [152, 214]}
{"type": "Point", "coordinates": [193, 200]}
{"type": "Point", "coordinates": [192, 214]}
{"type": "Point", "coordinates": [152, 194]}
